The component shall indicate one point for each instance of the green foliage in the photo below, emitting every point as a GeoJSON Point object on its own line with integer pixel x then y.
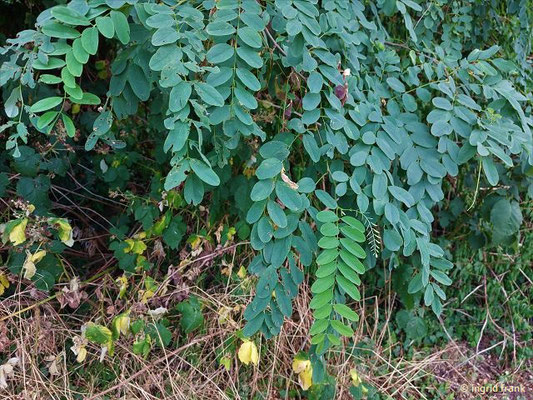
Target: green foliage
{"type": "Point", "coordinates": [337, 276]}
{"type": "Point", "coordinates": [191, 315]}
{"type": "Point", "coordinates": [100, 335]}
{"type": "Point", "coordinates": [292, 117]}
{"type": "Point", "coordinates": [497, 274]}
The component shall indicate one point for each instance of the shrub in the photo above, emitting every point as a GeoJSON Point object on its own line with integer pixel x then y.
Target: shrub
{"type": "Point", "coordinates": [332, 134]}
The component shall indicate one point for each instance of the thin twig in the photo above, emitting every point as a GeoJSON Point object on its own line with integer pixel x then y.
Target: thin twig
{"type": "Point", "coordinates": [147, 367]}
{"type": "Point", "coordinates": [44, 301]}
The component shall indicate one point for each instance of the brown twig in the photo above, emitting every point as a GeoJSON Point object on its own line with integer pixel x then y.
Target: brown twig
{"type": "Point", "coordinates": [147, 367]}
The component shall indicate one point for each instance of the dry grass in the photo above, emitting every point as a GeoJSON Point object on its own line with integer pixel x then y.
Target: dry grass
{"type": "Point", "coordinates": [41, 336]}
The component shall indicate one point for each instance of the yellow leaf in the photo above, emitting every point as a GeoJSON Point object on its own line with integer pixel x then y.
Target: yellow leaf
{"type": "Point", "coordinates": [195, 242]}
{"type": "Point", "coordinates": [29, 266]}
{"type": "Point", "coordinates": [304, 369]}
{"type": "Point", "coordinates": [18, 234]}
{"type": "Point", "coordinates": [139, 247]}
{"type": "Point", "coordinates": [3, 280]}
{"type": "Point", "coordinates": [150, 284]}
{"type": "Point", "coordinates": [356, 380]}
{"type": "Point", "coordinates": [145, 295]}
{"type": "Point", "coordinates": [29, 263]}
{"type": "Point", "coordinates": [226, 362]}
{"type": "Point", "coordinates": [82, 353]}
{"type": "Point", "coordinates": [122, 323]}
{"type": "Point", "coordinates": [248, 353]}
{"type": "Point", "coordinates": [123, 281]}
{"type": "Point", "coordinates": [242, 272]}
{"type": "Point", "coordinates": [65, 233]}
{"type": "Point", "coordinates": [130, 243]}
{"type": "Point", "coordinates": [305, 378]}
{"type": "Point", "coordinates": [224, 314]}
{"type": "Point", "coordinates": [299, 365]}
{"type": "Point", "coordinates": [38, 256]}
{"type": "Point", "coordinates": [135, 246]}
{"type": "Point", "coordinates": [231, 233]}
{"type": "Point", "coordinates": [141, 261]}
{"type": "Point", "coordinates": [64, 230]}
{"type": "Point", "coordinates": [29, 269]}
{"type": "Point", "coordinates": [4, 283]}
{"type": "Point", "coordinates": [79, 348]}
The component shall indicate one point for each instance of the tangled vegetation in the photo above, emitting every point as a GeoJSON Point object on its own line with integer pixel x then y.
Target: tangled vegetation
{"type": "Point", "coordinates": [308, 155]}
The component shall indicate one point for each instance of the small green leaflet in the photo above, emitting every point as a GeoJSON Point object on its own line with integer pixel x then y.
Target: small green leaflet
{"type": "Point", "coordinates": [177, 137]}
{"type": "Point", "coordinates": [69, 16]}
{"type": "Point", "coordinates": [69, 125]}
{"type": "Point", "coordinates": [402, 195]}
{"type": "Point", "coordinates": [164, 36]}
{"type": "Point", "coordinates": [179, 96]}
{"type": "Point", "coordinates": [53, 63]}
{"type": "Point", "coordinates": [442, 103]}
{"type": "Point", "coordinates": [248, 79]}
{"type": "Point", "coordinates": [89, 40]}
{"type": "Point", "coordinates": [57, 30]}
{"type": "Point", "coordinates": [204, 172]}
{"type": "Point", "coordinates": [49, 79]}
{"type": "Point", "coordinates": [219, 53]}
{"type": "Point", "coordinates": [219, 28]}
{"type": "Point", "coordinates": [105, 26]}
{"type": "Point", "coordinates": [250, 37]}
{"type": "Point", "coordinates": [269, 168]}
{"type": "Point", "coordinates": [122, 28]}
{"type": "Point", "coordinates": [262, 190]}
{"type": "Point", "coordinates": [46, 104]}
{"type": "Point", "coordinates": [396, 84]}
{"type": "Point", "coordinates": [344, 330]}
{"type": "Point", "coordinates": [209, 94]}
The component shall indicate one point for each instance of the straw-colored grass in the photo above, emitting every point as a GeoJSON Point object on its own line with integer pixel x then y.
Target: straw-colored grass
{"type": "Point", "coordinates": [40, 337]}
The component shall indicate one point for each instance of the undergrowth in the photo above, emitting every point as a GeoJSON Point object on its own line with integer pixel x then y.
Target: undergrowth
{"type": "Point", "coordinates": [265, 199]}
